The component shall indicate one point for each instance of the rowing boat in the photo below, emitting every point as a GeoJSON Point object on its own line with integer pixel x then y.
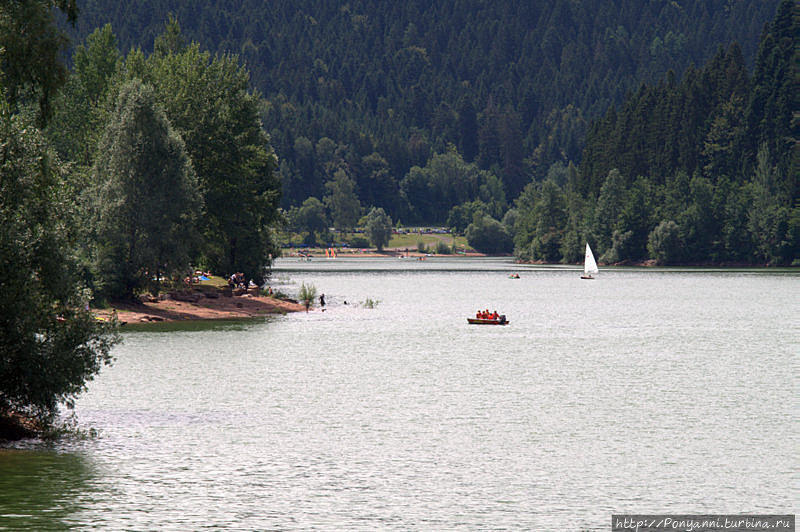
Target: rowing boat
{"type": "Point", "coordinates": [481, 321]}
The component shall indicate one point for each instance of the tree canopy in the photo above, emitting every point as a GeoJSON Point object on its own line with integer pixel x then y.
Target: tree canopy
{"type": "Point", "coordinates": [378, 226]}
{"type": "Point", "coordinates": [701, 169]}
{"type": "Point", "coordinates": [50, 344]}
{"type": "Point", "coordinates": [147, 197]}
{"type": "Point", "coordinates": [512, 86]}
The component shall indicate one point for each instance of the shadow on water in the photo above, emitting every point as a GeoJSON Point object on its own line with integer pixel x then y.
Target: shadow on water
{"type": "Point", "coordinates": [41, 489]}
{"type": "Point", "coordinates": [239, 324]}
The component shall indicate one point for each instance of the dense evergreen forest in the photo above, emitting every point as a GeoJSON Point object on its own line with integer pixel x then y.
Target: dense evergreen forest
{"type": "Point", "coordinates": [705, 168]}
{"type": "Point", "coordinates": [443, 112]}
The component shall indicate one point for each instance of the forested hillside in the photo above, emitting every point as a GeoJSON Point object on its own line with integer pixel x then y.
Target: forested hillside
{"type": "Point", "coordinates": [377, 87]}
{"type": "Point", "coordinates": [705, 168]}
{"type": "Point", "coordinates": [655, 130]}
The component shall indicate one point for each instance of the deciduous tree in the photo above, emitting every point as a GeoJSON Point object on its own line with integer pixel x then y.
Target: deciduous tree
{"type": "Point", "coordinates": [50, 344]}
{"type": "Point", "coordinates": [209, 103]}
{"type": "Point", "coordinates": [342, 201]}
{"type": "Point", "coordinates": [378, 226]}
{"type": "Point", "coordinates": [147, 196]}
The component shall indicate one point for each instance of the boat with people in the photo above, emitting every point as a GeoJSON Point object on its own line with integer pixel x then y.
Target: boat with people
{"type": "Point", "coordinates": [479, 321]}
{"type": "Point", "coordinates": [488, 318]}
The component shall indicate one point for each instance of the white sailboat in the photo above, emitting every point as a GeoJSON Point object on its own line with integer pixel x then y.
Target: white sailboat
{"type": "Point", "coordinates": [589, 265]}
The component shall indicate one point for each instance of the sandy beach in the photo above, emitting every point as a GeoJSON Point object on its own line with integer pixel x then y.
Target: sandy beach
{"type": "Point", "coordinates": [244, 306]}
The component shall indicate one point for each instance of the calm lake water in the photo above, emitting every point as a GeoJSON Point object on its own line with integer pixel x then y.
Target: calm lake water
{"type": "Point", "coordinates": [643, 391]}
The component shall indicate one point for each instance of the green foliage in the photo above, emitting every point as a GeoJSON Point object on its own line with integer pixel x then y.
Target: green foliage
{"type": "Point", "coordinates": [30, 44]}
{"type": "Point", "coordinates": [448, 181]}
{"type": "Point", "coordinates": [307, 294]}
{"type": "Point", "coordinates": [487, 235]}
{"type": "Point", "coordinates": [208, 102]}
{"type": "Point", "coordinates": [342, 201]}
{"type": "Point", "coordinates": [358, 242]}
{"type": "Point", "coordinates": [617, 251]}
{"type": "Point", "coordinates": [664, 242]}
{"type": "Point", "coordinates": [50, 343]}
{"type": "Point", "coordinates": [768, 216]}
{"type": "Point", "coordinates": [462, 215]}
{"type": "Point", "coordinates": [370, 303]}
{"type": "Point", "coordinates": [82, 110]}
{"type": "Point", "coordinates": [311, 218]}
{"type": "Point", "coordinates": [442, 248]}
{"type": "Point", "coordinates": [539, 223]}
{"type": "Point", "coordinates": [378, 88]}
{"type": "Point", "coordinates": [608, 209]}
{"type": "Point", "coordinates": [713, 121]}
{"type": "Point", "coordinates": [378, 227]}
{"type": "Point", "coordinates": [147, 197]}
{"type": "Point", "coordinates": [96, 62]}
{"type": "Point", "coordinates": [417, 141]}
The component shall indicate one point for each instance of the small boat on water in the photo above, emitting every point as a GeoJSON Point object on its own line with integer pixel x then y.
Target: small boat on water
{"type": "Point", "coordinates": [488, 321]}
{"type": "Point", "coordinates": [589, 265]}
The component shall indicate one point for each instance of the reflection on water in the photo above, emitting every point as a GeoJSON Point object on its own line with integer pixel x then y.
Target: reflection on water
{"type": "Point", "coordinates": [642, 391]}
{"type": "Point", "coordinates": [42, 490]}
{"type": "Point", "coordinates": [238, 324]}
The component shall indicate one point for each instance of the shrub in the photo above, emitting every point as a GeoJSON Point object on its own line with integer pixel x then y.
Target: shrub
{"type": "Point", "coordinates": [308, 292]}
{"type": "Point", "coordinates": [358, 242]}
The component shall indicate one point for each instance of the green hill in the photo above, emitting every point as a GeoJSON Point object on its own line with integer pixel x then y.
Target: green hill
{"type": "Point", "coordinates": [513, 86]}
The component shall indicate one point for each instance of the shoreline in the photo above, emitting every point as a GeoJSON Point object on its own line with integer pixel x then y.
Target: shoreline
{"type": "Point", "coordinates": [220, 308]}
{"type": "Point", "coordinates": [200, 307]}
{"type": "Point", "coordinates": [318, 253]}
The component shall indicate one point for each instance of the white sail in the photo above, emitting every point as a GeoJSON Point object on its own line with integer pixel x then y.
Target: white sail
{"type": "Point", "coordinates": [590, 265]}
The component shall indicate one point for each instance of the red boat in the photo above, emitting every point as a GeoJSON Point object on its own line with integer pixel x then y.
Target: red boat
{"type": "Point", "coordinates": [483, 321]}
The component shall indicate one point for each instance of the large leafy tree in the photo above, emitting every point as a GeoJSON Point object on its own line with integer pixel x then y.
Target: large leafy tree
{"type": "Point", "coordinates": [378, 226]}
{"type": "Point", "coordinates": [208, 102]}
{"type": "Point", "coordinates": [147, 196]}
{"type": "Point", "coordinates": [342, 200]}
{"type": "Point", "coordinates": [80, 113]}
{"type": "Point", "coordinates": [50, 344]}
{"type": "Point", "coordinates": [487, 235]}
{"type": "Point", "coordinates": [310, 217]}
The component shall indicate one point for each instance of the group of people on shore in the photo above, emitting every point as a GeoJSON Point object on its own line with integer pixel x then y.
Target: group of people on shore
{"type": "Point", "coordinates": [238, 280]}
{"type": "Point", "coordinates": [196, 277]}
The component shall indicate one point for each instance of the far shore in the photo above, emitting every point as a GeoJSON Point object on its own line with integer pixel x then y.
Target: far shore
{"type": "Point", "coordinates": [373, 253]}
{"type": "Point", "coordinates": [231, 307]}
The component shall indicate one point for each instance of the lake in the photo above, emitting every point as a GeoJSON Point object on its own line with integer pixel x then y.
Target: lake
{"type": "Point", "coordinates": [642, 391]}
